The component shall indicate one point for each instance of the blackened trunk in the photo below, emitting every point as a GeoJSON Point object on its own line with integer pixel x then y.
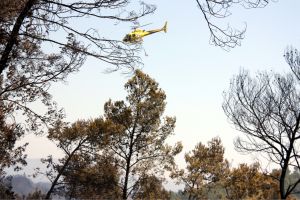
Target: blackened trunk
{"type": "Point", "coordinates": [128, 160]}
{"type": "Point", "coordinates": [14, 34]}
{"type": "Point", "coordinates": [124, 196]}
{"type": "Point", "coordinates": [281, 184]}
{"type": "Point", "coordinates": [54, 183]}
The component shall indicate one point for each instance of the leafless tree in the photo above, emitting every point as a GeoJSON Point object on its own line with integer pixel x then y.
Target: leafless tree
{"type": "Point", "coordinates": [212, 10]}
{"type": "Point", "coordinates": [292, 57]}
{"type": "Point", "coordinates": [266, 110]}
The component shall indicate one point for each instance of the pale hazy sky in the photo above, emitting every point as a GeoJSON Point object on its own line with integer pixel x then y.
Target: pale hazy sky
{"type": "Point", "coordinates": [192, 72]}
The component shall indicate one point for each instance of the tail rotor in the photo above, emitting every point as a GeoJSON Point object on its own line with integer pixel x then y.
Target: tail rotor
{"type": "Point", "coordinates": [165, 28]}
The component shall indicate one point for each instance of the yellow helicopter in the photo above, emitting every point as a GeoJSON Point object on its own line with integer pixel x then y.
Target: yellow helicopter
{"type": "Point", "coordinates": [136, 36]}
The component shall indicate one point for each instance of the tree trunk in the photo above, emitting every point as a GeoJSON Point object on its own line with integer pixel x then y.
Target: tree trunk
{"type": "Point", "coordinates": [125, 189]}
{"type": "Point", "coordinates": [54, 183]}
{"type": "Point", "coordinates": [282, 190]}
{"type": "Point", "coordinates": [124, 196]}
{"type": "Point", "coordinates": [14, 34]}
{"type": "Point", "coordinates": [57, 178]}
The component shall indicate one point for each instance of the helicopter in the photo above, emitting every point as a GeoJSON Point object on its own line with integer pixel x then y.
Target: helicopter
{"type": "Point", "coordinates": [136, 36]}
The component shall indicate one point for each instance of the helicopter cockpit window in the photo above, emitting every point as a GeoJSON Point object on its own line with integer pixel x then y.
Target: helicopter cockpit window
{"type": "Point", "coordinates": [127, 38]}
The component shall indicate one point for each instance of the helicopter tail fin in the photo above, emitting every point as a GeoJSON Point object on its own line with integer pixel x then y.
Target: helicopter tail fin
{"type": "Point", "coordinates": [165, 28]}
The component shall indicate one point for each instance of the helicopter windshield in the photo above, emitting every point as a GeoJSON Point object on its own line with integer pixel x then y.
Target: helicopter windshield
{"type": "Point", "coordinates": [127, 38]}
{"type": "Point", "coordinates": [132, 38]}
